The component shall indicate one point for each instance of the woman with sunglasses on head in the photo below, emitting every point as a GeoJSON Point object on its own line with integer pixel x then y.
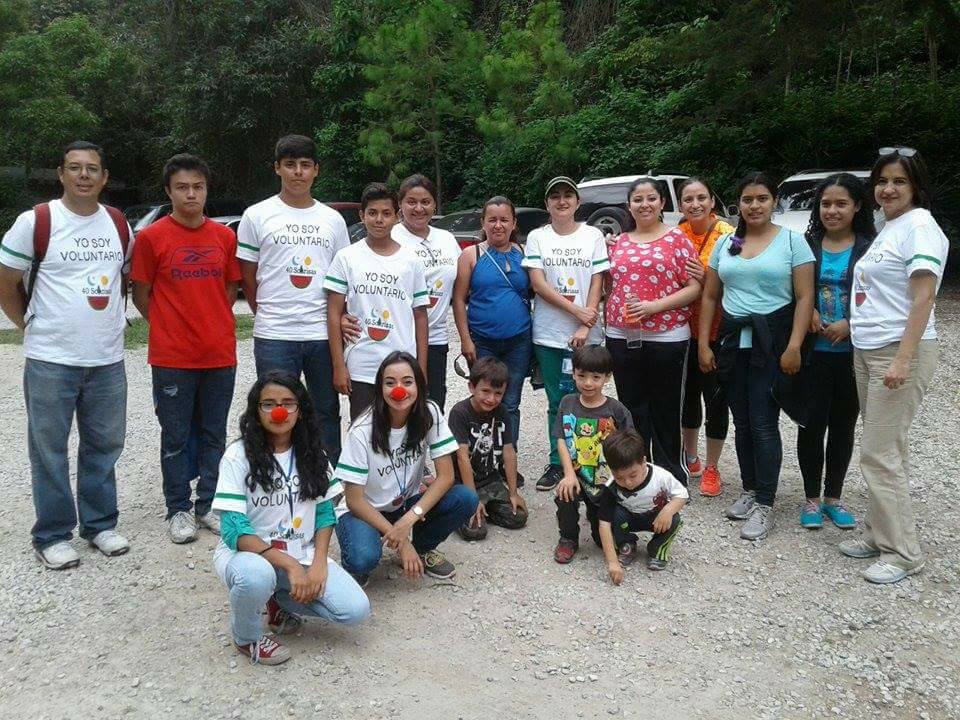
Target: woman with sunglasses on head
{"type": "Point", "coordinates": [840, 231]}
{"type": "Point", "coordinates": [567, 261]}
{"type": "Point", "coordinates": [491, 302]}
{"type": "Point", "coordinates": [648, 305]}
{"type": "Point", "coordinates": [895, 355]}
{"type": "Point", "coordinates": [276, 520]}
{"type": "Point", "coordinates": [765, 275]}
{"type": "Point", "coordinates": [703, 228]}
{"type": "Point", "coordinates": [381, 468]}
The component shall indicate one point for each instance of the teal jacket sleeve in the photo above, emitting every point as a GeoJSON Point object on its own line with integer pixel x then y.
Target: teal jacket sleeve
{"type": "Point", "coordinates": [232, 526]}
{"type": "Point", "coordinates": [325, 516]}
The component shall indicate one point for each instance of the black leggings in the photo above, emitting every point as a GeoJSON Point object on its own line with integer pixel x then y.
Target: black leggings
{"type": "Point", "coordinates": [707, 386]}
{"type": "Point", "coordinates": [650, 382]}
{"type": "Point", "coordinates": [835, 409]}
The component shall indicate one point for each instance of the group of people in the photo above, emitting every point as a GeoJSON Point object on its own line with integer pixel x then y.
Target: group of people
{"type": "Point", "coordinates": [695, 320]}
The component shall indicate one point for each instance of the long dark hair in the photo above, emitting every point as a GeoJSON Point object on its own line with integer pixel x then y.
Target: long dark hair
{"type": "Point", "coordinates": [630, 223]}
{"type": "Point", "coordinates": [753, 178]}
{"type": "Point", "coordinates": [312, 463]}
{"type": "Point", "coordinates": [498, 200]}
{"type": "Point", "coordinates": [916, 170]}
{"type": "Point", "coordinates": [420, 419]}
{"type": "Point", "coordinates": [862, 220]}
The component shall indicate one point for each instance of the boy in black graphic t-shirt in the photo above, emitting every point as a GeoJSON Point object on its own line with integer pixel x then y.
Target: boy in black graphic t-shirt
{"type": "Point", "coordinates": [486, 459]}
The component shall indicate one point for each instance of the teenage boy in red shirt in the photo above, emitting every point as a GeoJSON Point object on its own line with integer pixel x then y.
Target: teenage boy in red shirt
{"type": "Point", "coordinates": [185, 278]}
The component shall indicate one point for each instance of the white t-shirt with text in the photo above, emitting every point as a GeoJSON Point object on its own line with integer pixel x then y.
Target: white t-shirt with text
{"type": "Point", "coordinates": [388, 480]}
{"type": "Point", "coordinates": [569, 263]}
{"type": "Point", "coordinates": [439, 254]}
{"type": "Point", "coordinates": [293, 247]}
{"type": "Point", "coordinates": [268, 512]}
{"type": "Point", "coordinates": [881, 279]}
{"type": "Point", "coordinates": [381, 292]}
{"type": "Point", "coordinates": [76, 315]}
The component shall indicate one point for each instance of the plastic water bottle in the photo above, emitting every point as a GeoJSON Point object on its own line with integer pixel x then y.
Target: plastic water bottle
{"type": "Point", "coordinates": [567, 385]}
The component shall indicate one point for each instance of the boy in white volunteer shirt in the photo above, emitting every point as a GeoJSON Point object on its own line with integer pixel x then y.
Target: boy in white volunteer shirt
{"type": "Point", "coordinates": [382, 285]}
{"type": "Point", "coordinates": [73, 323]}
{"type": "Point", "coordinates": [285, 245]}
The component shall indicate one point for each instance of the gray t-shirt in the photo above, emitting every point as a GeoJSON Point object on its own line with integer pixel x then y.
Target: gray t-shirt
{"type": "Point", "coordinates": [583, 431]}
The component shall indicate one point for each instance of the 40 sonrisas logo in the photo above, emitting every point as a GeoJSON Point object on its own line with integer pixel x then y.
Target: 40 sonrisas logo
{"type": "Point", "coordinates": [97, 291]}
{"type": "Point", "coordinates": [301, 272]}
{"type": "Point", "coordinates": [568, 288]}
{"type": "Point", "coordinates": [435, 292]}
{"type": "Point", "coordinates": [378, 325]}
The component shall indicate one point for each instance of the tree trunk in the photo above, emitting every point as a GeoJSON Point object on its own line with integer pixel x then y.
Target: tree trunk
{"type": "Point", "coordinates": [932, 50]}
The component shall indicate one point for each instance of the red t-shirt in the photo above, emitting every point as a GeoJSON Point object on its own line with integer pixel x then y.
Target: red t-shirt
{"type": "Point", "coordinates": [649, 271]}
{"type": "Point", "coordinates": [191, 322]}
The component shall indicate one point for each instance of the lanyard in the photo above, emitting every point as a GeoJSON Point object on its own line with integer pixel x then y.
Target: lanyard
{"type": "Point", "coordinates": [287, 478]}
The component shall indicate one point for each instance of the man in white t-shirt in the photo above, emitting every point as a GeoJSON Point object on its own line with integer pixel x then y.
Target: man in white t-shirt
{"type": "Point", "coordinates": [285, 245]}
{"type": "Point", "coordinates": [72, 316]}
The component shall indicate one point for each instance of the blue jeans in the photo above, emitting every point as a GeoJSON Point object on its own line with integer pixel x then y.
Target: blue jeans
{"type": "Point", "coordinates": [252, 580]}
{"type": "Point", "coordinates": [756, 417]}
{"type": "Point", "coordinates": [98, 396]}
{"type": "Point", "coordinates": [361, 546]}
{"type": "Point", "coordinates": [189, 401]}
{"type": "Point", "coordinates": [515, 352]}
{"type": "Point", "coordinates": [312, 358]}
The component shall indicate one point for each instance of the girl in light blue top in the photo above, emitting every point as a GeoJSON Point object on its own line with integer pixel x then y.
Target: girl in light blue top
{"type": "Point", "coordinates": [765, 273]}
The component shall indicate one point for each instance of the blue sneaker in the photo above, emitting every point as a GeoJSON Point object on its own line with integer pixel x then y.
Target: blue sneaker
{"type": "Point", "coordinates": [839, 514]}
{"type": "Point", "coordinates": [811, 515]}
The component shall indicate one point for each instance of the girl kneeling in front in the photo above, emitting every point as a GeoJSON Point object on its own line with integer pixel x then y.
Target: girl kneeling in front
{"type": "Point", "coordinates": [381, 468]}
{"type": "Point", "coordinates": [276, 523]}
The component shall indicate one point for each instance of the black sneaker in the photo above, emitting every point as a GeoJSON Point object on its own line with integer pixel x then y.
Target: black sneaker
{"type": "Point", "coordinates": [627, 553]}
{"type": "Point", "coordinates": [520, 479]}
{"type": "Point", "coordinates": [656, 564]}
{"type": "Point", "coordinates": [435, 564]}
{"type": "Point", "coordinates": [552, 475]}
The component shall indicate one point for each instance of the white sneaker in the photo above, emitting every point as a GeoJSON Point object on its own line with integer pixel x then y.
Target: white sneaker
{"type": "Point", "coordinates": [59, 556]}
{"type": "Point", "coordinates": [182, 527]}
{"type": "Point", "coordinates": [211, 521]}
{"type": "Point", "coordinates": [884, 573]}
{"type": "Point", "coordinates": [110, 543]}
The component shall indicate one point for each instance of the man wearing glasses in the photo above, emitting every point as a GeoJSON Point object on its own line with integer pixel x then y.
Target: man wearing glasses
{"type": "Point", "coordinates": [70, 256]}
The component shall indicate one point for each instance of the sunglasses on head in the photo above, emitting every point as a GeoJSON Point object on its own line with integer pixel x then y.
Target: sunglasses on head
{"type": "Point", "coordinates": [461, 368]}
{"type": "Point", "coordinates": [901, 151]}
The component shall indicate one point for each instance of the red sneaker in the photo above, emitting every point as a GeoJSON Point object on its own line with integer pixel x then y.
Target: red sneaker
{"type": "Point", "coordinates": [695, 468]}
{"type": "Point", "coordinates": [710, 482]}
{"type": "Point", "coordinates": [281, 621]}
{"type": "Point", "coordinates": [565, 551]}
{"type": "Point", "coordinates": [269, 651]}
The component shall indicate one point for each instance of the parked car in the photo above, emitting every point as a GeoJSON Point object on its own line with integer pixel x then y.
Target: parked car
{"type": "Point", "coordinates": [603, 201]}
{"type": "Point", "coordinates": [134, 213]}
{"type": "Point", "coordinates": [796, 198]}
{"type": "Point", "coordinates": [217, 208]}
{"type": "Point", "coordinates": [465, 225]}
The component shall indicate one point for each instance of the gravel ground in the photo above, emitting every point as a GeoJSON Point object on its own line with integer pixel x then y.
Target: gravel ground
{"type": "Point", "coordinates": [783, 628]}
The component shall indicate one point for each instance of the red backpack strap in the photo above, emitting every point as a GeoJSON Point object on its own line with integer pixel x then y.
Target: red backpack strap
{"type": "Point", "coordinates": [41, 231]}
{"type": "Point", "coordinates": [123, 229]}
{"type": "Point", "coordinates": [41, 241]}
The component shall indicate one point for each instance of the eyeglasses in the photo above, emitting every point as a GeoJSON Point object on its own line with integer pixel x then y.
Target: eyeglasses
{"type": "Point", "coordinates": [288, 405]}
{"type": "Point", "coordinates": [901, 151]}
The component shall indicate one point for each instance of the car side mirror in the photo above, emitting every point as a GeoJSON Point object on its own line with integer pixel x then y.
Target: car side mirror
{"type": "Point", "coordinates": [733, 210]}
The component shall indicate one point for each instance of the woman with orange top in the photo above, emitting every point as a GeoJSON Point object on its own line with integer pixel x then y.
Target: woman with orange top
{"type": "Point", "coordinates": [702, 228]}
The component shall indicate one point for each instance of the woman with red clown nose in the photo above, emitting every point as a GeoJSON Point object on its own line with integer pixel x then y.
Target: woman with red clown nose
{"type": "Point", "coordinates": [273, 498]}
{"type": "Point", "coordinates": [381, 466]}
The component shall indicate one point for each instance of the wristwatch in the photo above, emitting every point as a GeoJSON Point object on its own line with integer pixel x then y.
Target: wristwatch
{"type": "Point", "coordinates": [418, 511]}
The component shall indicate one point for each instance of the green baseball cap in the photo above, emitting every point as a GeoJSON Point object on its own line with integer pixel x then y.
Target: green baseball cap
{"type": "Point", "coordinates": [561, 180]}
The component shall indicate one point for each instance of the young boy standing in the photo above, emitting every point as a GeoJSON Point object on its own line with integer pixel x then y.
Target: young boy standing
{"type": "Point", "coordinates": [643, 497]}
{"type": "Point", "coordinates": [383, 284]}
{"type": "Point", "coordinates": [486, 458]}
{"type": "Point", "coordinates": [584, 420]}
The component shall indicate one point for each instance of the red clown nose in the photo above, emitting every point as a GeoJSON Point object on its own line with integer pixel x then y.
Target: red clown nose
{"type": "Point", "coordinates": [279, 414]}
{"type": "Point", "coordinates": [399, 393]}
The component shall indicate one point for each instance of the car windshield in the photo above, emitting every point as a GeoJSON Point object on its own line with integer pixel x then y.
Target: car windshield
{"type": "Point", "coordinates": [797, 195]}
{"type": "Point", "coordinates": [530, 220]}
{"type": "Point", "coordinates": [459, 222]}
